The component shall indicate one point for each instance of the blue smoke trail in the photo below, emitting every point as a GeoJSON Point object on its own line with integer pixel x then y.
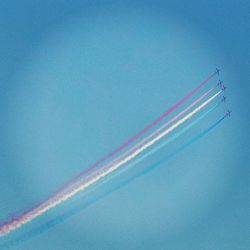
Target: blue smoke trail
{"type": "Point", "coordinates": [163, 144]}
{"type": "Point", "coordinates": [153, 150]}
{"type": "Point", "coordinates": [59, 219]}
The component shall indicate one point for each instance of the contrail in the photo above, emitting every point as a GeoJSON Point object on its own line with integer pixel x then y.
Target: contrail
{"type": "Point", "coordinates": [163, 144]}
{"type": "Point", "coordinates": [140, 133]}
{"type": "Point", "coordinates": [155, 149]}
{"type": "Point", "coordinates": [109, 169]}
{"type": "Point", "coordinates": [162, 127]}
{"type": "Point", "coordinates": [56, 200]}
{"type": "Point", "coordinates": [61, 218]}
{"type": "Point", "coordinates": [127, 143]}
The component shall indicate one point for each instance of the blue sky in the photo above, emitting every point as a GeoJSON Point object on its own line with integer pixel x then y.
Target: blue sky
{"type": "Point", "coordinates": [78, 78]}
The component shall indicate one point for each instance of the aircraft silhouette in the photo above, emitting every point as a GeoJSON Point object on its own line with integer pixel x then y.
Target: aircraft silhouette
{"type": "Point", "coordinates": [228, 113]}
{"type": "Point", "coordinates": [217, 71]}
{"type": "Point", "coordinates": [220, 83]}
{"type": "Point", "coordinates": [223, 99]}
{"type": "Point", "coordinates": [223, 88]}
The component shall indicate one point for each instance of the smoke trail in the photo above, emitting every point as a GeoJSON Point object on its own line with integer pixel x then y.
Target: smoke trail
{"type": "Point", "coordinates": [155, 149]}
{"type": "Point", "coordinates": [108, 169]}
{"type": "Point", "coordinates": [60, 219]}
{"type": "Point", "coordinates": [162, 127]}
{"type": "Point", "coordinates": [140, 133]}
{"type": "Point", "coordinates": [56, 200]}
{"type": "Point", "coordinates": [124, 145]}
{"type": "Point", "coordinates": [163, 144]}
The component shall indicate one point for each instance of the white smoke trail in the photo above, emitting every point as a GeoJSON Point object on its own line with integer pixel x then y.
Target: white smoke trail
{"type": "Point", "coordinates": [154, 133]}
{"type": "Point", "coordinates": [61, 197]}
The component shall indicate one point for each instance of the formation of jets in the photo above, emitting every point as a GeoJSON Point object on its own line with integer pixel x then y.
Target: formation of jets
{"type": "Point", "coordinates": [223, 88]}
